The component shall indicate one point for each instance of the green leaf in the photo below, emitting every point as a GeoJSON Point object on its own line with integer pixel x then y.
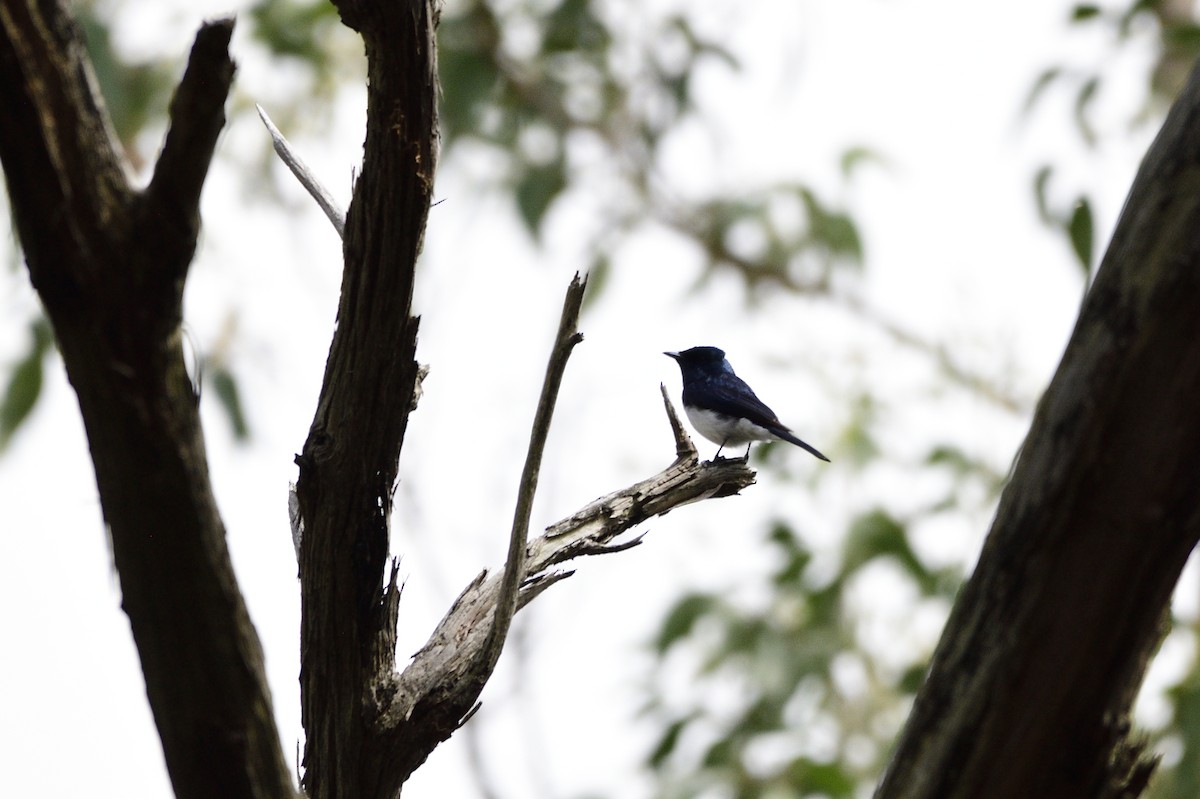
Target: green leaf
{"type": "Point", "coordinates": [468, 72]}
{"type": "Point", "coordinates": [765, 715]}
{"type": "Point", "coordinates": [873, 535]}
{"type": "Point", "coordinates": [598, 275]}
{"type": "Point", "coordinates": [855, 443]}
{"type": "Point", "coordinates": [134, 93]}
{"type": "Point", "coordinates": [536, 190]}
{"type": "Point", "coordinates": [1080, 229]}
{"type": "Point", "coordinates": [668, 741]}
{"type": "Point", "coordinates": [1185, 36]}
{"type": "Point", "coordinates": [572, 27]}
{"type": "Point", "coordinates": [879, 534]}
{"type": "Point", "coordinates": [796, 557]}
{"type": "Point", "coordinates": [681, 619]}
{"type": "Point", "coordinates": [291, 28]}
{"type": "Point", "coordinates": [721, 753]}
{"type": "Point", "coordinates": [1043, 82]}
{"type": "Point", "coordinates": [701, 46]}
{"type": "Point", "coordinates": [1184, 779]}
{"type": "Point", "coordinates": [956, 460]}
{"type": "Point", "coordinates": [841, 235]}
{"type": "Point", "coordinates": [811, 776]}
{"type": "Point", "coordinates": [225, 386]}
{"type": "Point", "coordinates": [950, 456]}
{"type": "Point", "coordinates": [1083, 104]}
{"type": "Point", "coordinates": [1040, 183]}
{"type": "Point", "coordinates": [912, 679]}
{"type": "Point", "coordinates": [1084, 11]}
{"type": "Point", "coordinates": [855, 157]}
{"type": "Point", "coordinates": [833, 230]}
{"type": "Point", "coordinates": [1137, 9]}
{"type": "Point", "coordinates": [24, 382]}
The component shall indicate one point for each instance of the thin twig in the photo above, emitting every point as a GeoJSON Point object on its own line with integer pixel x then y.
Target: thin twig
{"type": "Point", "coordinates": [514, 569]}
{"type": "Point", "coordinates": [305, 175]}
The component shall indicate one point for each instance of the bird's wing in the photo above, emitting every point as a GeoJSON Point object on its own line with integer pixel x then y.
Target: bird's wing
{"type": "Point", "coordinates": [731, 396]}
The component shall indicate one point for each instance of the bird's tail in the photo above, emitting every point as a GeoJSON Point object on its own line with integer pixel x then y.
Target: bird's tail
{"type": "Point", "coordinates": [786, 435]}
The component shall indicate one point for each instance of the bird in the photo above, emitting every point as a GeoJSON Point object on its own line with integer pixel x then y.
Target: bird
{"type": "Point", "coordinates": [723, 408]}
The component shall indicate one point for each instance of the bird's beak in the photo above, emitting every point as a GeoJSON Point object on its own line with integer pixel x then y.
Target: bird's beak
{"type": "Point", "coordinates": [674, 355]}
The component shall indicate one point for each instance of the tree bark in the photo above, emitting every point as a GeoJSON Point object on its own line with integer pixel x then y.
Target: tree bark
{"type": "Point", "coordinates": [109, 263]}
{"type": "Point", "coordinates": [1030, 689]}
{"type": "Point", "coordinates": [349, 462]}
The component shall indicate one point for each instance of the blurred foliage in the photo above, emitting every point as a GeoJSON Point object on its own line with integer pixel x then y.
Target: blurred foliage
{"type": "Point", "coordinates": [1176, 43]}
{"type": "Point", "coordinates": [24, 382]}
{"type": "Point", "coordinates": [300, 31]}
{"type": "Point", "coordinates": [1075, 223]}
{"type": "Point", "coordinates": [225, 386]}
{"type": "Point", "coordinates": [535, 85]}
{"type": "Point", "coordinates": [786, 694]}
{"type": "Point", "coordinates": [768, 712]}
{"type": "Point", "coordinates": [530, 82]}
{"type": "Point", "coordinates": [799, 694]}
{"type": "Point", "coordinates": [135, 92]}
{"type": "Point", "coordinates": [789, 697]}
{"type": "Point", "coordinates": [1171, 30]}
{"type": "Point", "coordinates": [1180, 778]}
{"type": "Point", "coordinates": [213, 372]}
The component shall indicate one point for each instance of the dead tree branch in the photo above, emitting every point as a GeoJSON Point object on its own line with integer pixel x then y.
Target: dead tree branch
{"type": "Point", "coordinates": [441, 685]}
{"type": "Point", "coordinates": [514, 569]}
{"type": "Point", "coordinates": [307, 178]}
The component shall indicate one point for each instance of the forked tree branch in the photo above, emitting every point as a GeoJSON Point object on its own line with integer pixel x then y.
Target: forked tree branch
{"type": "Point", "coordinates": [368, 726]}
{"type": "Point", "coordinates": [440, 687]}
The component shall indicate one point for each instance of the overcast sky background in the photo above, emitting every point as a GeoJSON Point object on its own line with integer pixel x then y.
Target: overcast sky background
{"type": "Point", "coordinates": [954, 252]}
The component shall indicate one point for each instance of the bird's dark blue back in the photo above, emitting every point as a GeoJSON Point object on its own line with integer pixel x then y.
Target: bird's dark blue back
{"type": "Point", "coordinates": [722, 407]}
{"type": "Point", "coordinates": [709, 382]}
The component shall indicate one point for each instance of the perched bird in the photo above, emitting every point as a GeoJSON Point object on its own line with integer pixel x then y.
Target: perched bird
{"type": "Point", "coordinates": [722, 407]}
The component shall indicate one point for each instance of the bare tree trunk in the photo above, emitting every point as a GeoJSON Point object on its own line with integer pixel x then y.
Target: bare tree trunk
{"type": "Point", "coordinates": [1030, 689]}
{"type": "Point", "coordinates": [109, 263]}
{"type": "Point", "coordinates": [349, 463]}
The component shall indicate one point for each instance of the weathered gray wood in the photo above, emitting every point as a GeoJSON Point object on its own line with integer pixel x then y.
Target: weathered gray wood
{"type": "Point", "coordinates": [1030, 688]}
{"type": "Point", "coordinates": [441, 675]}
{"type": "Point", "coordinates": [309, 180]}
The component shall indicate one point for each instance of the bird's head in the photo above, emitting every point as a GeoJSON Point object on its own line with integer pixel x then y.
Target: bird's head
{"type": "Point", "coordinates": [700, 360]}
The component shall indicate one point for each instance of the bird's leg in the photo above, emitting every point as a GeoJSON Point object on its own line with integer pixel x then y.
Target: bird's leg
{"type": "Point", "coordinates": [746, 457]}
{"type": "Point", "coordinates": [718, 455]}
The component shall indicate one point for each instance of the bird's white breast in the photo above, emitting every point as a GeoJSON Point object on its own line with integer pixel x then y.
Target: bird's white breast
{"type": "Point", "coordinates": [726, 430]}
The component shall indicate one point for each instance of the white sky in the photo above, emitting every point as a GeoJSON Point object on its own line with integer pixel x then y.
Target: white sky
{"type": "Point", "coordinates": [954, 252]}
